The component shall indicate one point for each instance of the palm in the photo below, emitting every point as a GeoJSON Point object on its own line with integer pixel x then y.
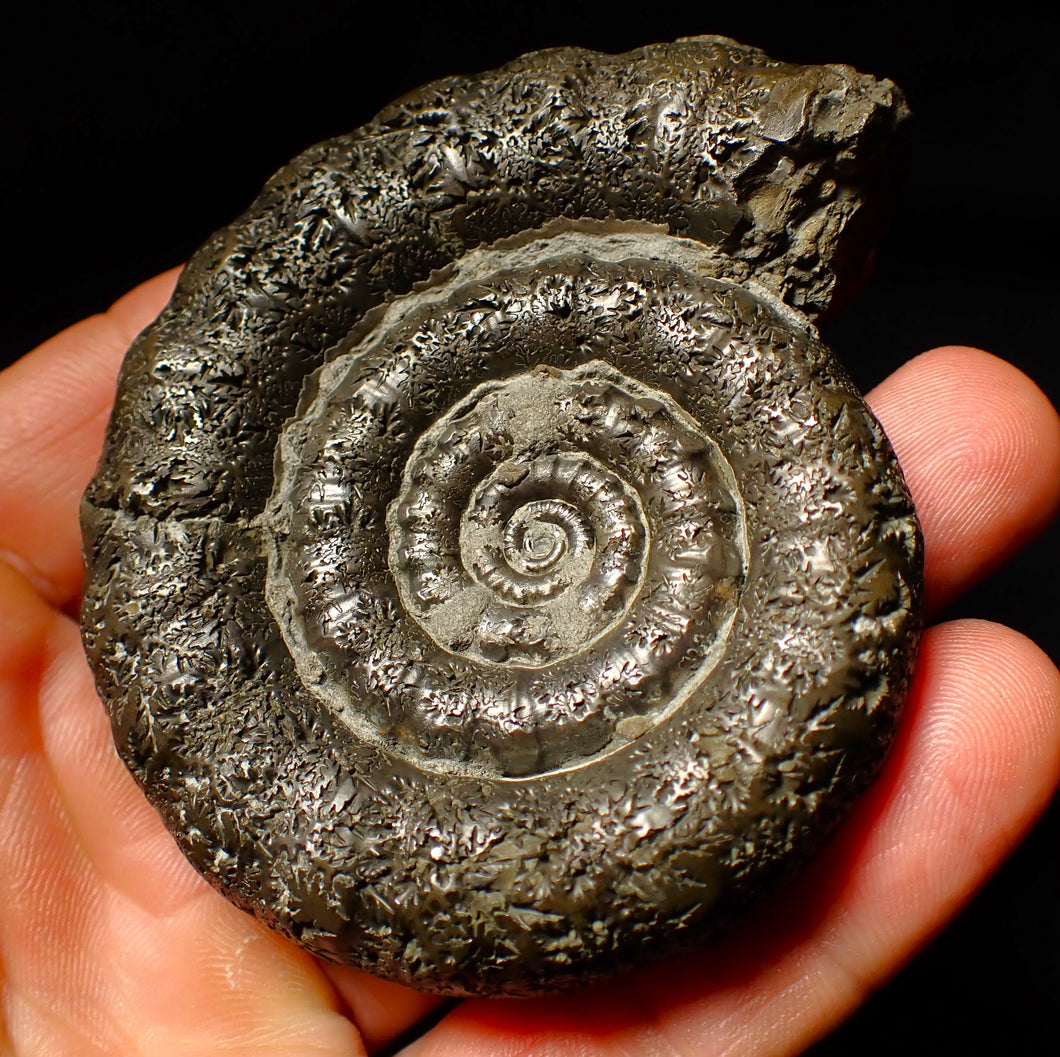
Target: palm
{"type": "Point", "coordinates": [111, 944]}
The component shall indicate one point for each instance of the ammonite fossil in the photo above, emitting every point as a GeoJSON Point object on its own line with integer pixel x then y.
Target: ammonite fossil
{"type": "Point", "coordinates": [492, 579]}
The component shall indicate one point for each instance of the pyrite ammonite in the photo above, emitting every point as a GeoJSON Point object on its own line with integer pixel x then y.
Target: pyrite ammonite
{"type": "Point", "coordinates": [492, 579]}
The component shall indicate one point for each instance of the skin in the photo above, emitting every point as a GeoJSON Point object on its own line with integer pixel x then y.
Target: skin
{"type": "Point", "coordinates": [111, 944]}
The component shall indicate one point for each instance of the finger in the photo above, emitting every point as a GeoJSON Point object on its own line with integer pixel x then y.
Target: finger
{"type": "Point", "coordinates": [979, 444]}
{"type": "Point", "coordinates": [381, 1010]}
{"type": "Point", "coordinates": [975, 763]}
{"type": "Point", "coordinates": [54, 405]}
{"type": "Point", "coordinates": [109, 943]}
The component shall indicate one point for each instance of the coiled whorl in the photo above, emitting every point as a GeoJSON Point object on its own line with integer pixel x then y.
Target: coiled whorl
{"type": "Point", "coordinates": [492, 578]}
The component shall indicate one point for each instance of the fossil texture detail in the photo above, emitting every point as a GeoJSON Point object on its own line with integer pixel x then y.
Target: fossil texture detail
{"type": "Point", "coordinates": [492, 579]}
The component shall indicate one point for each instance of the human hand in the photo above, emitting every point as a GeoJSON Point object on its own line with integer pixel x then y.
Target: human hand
{"type": "Point", "coordinates": [110, 943]}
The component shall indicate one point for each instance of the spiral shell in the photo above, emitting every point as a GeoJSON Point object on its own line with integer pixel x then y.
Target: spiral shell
{"type": "Point", "coordinates": [492, 578]}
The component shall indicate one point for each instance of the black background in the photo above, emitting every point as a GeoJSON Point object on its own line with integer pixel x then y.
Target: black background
{"type": "Point", "coordinates": [135, 130]}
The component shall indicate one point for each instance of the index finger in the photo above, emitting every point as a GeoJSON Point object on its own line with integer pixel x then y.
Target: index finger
{"type": "Point", "coordinates": [54, 405]}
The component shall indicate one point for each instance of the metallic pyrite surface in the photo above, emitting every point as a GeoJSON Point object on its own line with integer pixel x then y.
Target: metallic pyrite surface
{"type": "Point", "coordinates": [492, 579]}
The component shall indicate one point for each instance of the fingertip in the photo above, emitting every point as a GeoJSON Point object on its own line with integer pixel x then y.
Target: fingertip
{"type": "Point", "coordinates": [979, 444]}
{"type": "Point", "coordinates": [1003, 691]}
{"type": "Point", "coordinates": [54, 405]}
{"type": "Point", "coordinates": [975, 763]}
{"type": "Point", "coordinates": [382, 1011]}
{"type": "Point", "coordinates": [134, 310]}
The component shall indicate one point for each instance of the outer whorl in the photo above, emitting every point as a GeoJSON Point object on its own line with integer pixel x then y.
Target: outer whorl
{"type": "Point", "coordinates": [492, 579]}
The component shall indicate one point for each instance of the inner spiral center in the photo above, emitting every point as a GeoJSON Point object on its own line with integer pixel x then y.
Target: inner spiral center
{"type": "Point", "coordinates": [540, 534]}
{"type": "Point", "coordinates": [527, 533]}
